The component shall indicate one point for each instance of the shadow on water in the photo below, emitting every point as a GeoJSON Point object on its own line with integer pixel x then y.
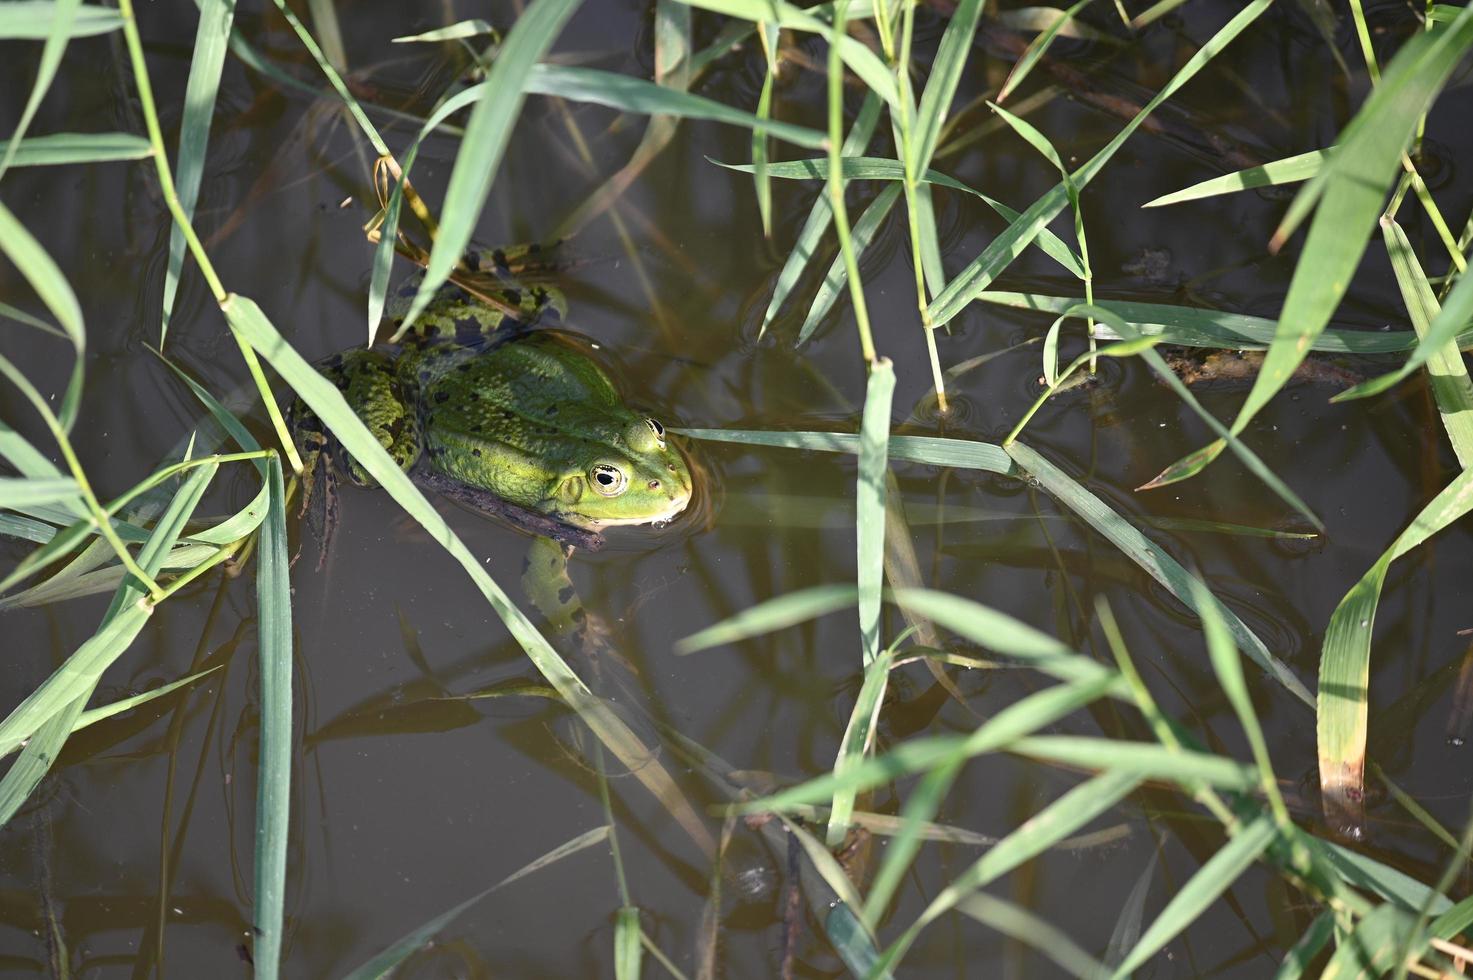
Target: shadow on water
{"type": "Point", "coordinates": [430, 758]}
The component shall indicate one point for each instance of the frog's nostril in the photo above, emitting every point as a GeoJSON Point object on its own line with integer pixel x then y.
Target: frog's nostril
{"type": "Point", "coordinates": [654, 484]}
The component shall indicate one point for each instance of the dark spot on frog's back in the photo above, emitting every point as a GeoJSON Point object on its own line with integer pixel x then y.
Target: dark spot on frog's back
{"type": "Point", "coordinates": [565, 594]}
{"type": "Point", "coordinates": [512, 296]}
{"type": "Point", "coordinates": [441, 397]}
{"type": "Point", "coordinates": [473, 260]}
{"type": "Point", "coordinates": [499, 257]}
{"type": "Point", "coordinates": [551, 411]}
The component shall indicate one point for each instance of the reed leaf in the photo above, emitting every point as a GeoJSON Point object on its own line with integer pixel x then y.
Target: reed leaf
{"type": "Point", "coordinates": [869, 510]}
{"type": "Point", "coordinates": [64, 16]}
{"type": "Point", "coordinates": [211, 39]}
{"type": "Point", "coordinates": [772, 615]}
{"type": "Point", "coordinates": [35, 20]}
{"type": "Point", "coordinates": [1017, 922]}
{"type": "Point", "coordinates": [474, 27]}
{"type": "Point", "coordinates": [46, 279]}
{"type": "Point", "coordinates": [1289, 170]}
{"type": "Point", "coordinates": [59, 149]}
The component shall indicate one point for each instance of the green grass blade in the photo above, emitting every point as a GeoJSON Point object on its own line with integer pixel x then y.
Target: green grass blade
{"type": "Point", "coordinates": [1146, 760]}
{"type": "Point", "coordinates": [64, 14]}
{"type": "Point", "coordinates": [274, 768]}
{"type": "Point", "coordinates": [385, 962]}
{"type": "Point", "coordinates": [1446, 372]}
{"type": "Point", "coordinates": [486, 137]}
{"type": "Point", "coordinates": [857, 742]}
{"type": "Point", "coordinates": [40, 752]}
{"type": "Point", "coordinates": [1018, 923]}
{"type": "Point", "coordinates": [775, 614]}
{"type": "Point", "coordinates": [931, 450]}
{"type": "Point", "coordinates": [1289, 170]}
{"type": "Point", "coordinates": [869, 510]}
{"type": "Point", "coordinates": [335, 79]}
{"type": "Point", "coordinates": [1455, 314]}
{"type": "Point", "coordinates": [762, 186]}
{"type": "Point", "coordinates": [980, 273]}
{"type": "Point", "coordinates": [211, 40]}
{"type": "Point", "coordinates": [383, 252]}
{"type": "Point", "coordinates": [879, 168]}
{"type": "Point", "coordinates": [1044, 829]}
{"type": "Point", "coordinates": [1151, 558]}
{"type": "Point", "coordinates": [1349, 192]}
{"type": "Point", "coordinates": [835, 280]}
{"type": "Point", "coordinates": [629, 94]}
{"type": "Point", "coordinates": [1307, 947]}
{"type": "Point", "coordinates": [59, 149]}
{"type": "Point", "coordinates": [32, 20]}
{"type": "Point", "coordinates": [628, 954]}
{"type": "Point", "coordinates": [1363, 871]}
{"type": "Point", "coordinates": [103, 712]}
{"type": "Point", "coordinates": [1037, 48]}
{"type": "Point", "coordinates": [1345, 660]}
{"type": "Point", "coordinates": [327, 403]}
{"type": "Point", "coordinates": [1211, 880]}
{"type": "Point", "coordinates": [47, 280]}
{"type": "Point", "coordinates": [1370, 949]}
{"type": "Point", "coordinates": [946, 72]}
{"type": "Point", "coordinates": [463, 28]}
{"type": "Point", "coordinates": [1191, 326]}
{"type": "Point", "coordinates": [20, 491]}
{"type": "Point", "coordinates": [820, 216]}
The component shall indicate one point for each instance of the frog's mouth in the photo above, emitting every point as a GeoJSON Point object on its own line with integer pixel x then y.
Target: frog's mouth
{"type": "Point", "coordinates": [677, 505]}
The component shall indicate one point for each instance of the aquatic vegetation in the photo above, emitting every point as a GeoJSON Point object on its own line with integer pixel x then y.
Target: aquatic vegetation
{"type": "Point", "coordinates": [1112, 706]}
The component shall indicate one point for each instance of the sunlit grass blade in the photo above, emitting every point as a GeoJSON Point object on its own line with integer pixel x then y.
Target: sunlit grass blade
{"type": "Point", "coordinates": [1345, 661]}
{"type": "Point", "coordinates": [474, 27]}
{"type": "Point", "coordinates": [1455, 314]}
{"type": "Point", "coordinates": [383, 252]}
{"type": "Point", "coordinates": [816, 225]}
{"type": "Point", "coordinates": [855, 946]}
{"type": "Point", "coordinates": [837, 276]}
{"type": "Point", "coordinates": [1216, 876]}
{"type": "Point", "coordinates": [1008, 727]}
{"type": "Point", "coordinates": [1446, 371]}
{"type": "Point", "coordinates": [869, 512]}
{"type": "Point", "coordinates": [103, 712]}
{"type": "Point", "coordinates": [1058, 820]}
{"type": "Point", "coordinates": [1289, 170]}
{"type": "Point", "coordinates": [47, 280]}
{"type": "Point", "coordinates": [997, 256]}
{"type": "Point", "coordinates": [932, 450]}
{"type": "Point", "coordinates": [327, 403]}
{"type": "Point", "coordinates": [1018, 923]}
{"type": "Point", "coordinates": [1191, 326]}
{"type": "Point", "coordinates": [384, 963]}
{"type": "Point", "coordinates": [32, 20]}
{"type": "Point", "coordinates": [274, 766]}
{"type": "Point", "coordinates": [762, 186]}
{"type": "Point", "coordinates": [334, 78]}
{"type": "Point", "coordinates": [64, 14]}
{"type": "Point", "coordinates": [1347, 195]}
{"type": "Point", "coordinates": [629, 94]}
{"type": "Point", "coordinates": [19, 491]}
{"type": "Point", "coordinates": [211, 40]}
{"type": "Point", "coordinates": [775, 614]}
{"type": "Point", "coordinates": [486, 136]}
{"type": "Point", "coordinates": [879, 168]}
{"type": "Point", "coordinates": [1151, 558]}
{"type": "Point", "coordinates": [628, 953]}
{"type": "Point", "coordinates": [1037, 48]}
{"type": "Point", "coordinates": [946, 72]}
{"type": "Point", "coordinates": [58, 149]}
{"type": "Point", "coordinates": [1127, 931]}
{"type": "Point", "coordinates": [857, 742]}
{"type": "Point", "coordinates": [1370, 949]}
{"type": "Point", "coordinates": [857, 58]}
{"type": "Point", "coordinates": [1147, 760]}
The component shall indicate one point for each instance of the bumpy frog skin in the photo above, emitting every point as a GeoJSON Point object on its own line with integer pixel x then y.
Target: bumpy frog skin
{"type": "Point", "coordinates": [527, 416]}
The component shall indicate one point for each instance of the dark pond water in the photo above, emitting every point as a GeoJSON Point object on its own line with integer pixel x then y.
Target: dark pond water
{"type": "Point", "coordinates": [135, 854]}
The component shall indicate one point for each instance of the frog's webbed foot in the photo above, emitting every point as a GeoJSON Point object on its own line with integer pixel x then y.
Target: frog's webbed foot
{"type": "Point", "coordinates": [486, 502]}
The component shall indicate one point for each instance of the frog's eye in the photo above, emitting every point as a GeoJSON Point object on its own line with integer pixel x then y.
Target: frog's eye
{"type": "Point", "coordinates": [607, 480]}
{"type": "Point", "coordinates": [657, 429]}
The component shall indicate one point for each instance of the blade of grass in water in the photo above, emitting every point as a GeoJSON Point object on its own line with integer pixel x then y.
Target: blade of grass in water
{"type": "Point", "coordinates": [762, 186]}
{"type": "Point", "coordinates": [628, 954]}
{"type": "Point", "coordinates": [980, 273]}
{"type": "Point", "coordinates": [629, 94]}
{"type": "Point", "coordinates": [1446, 371]}
{"type": "Point", "coordinates": [1018, 923]}
{"type": "Point", "coordinates": [1289, 170]}
{"type": "Point", "coordinates": [384, 963]}
{"type": "Point", "coordinates": [837, 276]}
{"type": "Point", "coordinates": [211, 39]}
{"type": "Point", "coordinates": [772, 615]}
{"type": "Point", "coordinates": [46, 279]}
{"type": "Point", "coordinates": [274, 766]}
{"type": "Point", "coordinates": [1307, 947]}
{"type": "Point", "coordinates": [1037, 48]}
{"type": "Point", "coordinates": [33, 20]}
{"type": "Point", "coordinates": [857, 742]}
{"type": "Point", "coordinates": [17, 491]}
{"type": "Point", "coordinates": [878, 168]}
{"type": "Point", "coordinates": [1216, 876]}
{"type": "Point", "coordinates": [45, 719]}
{"type": "Point", "coordinates": [486, 136]}
{"type": "Point", "coordinates": [63, 16]}
{"type": "Point", "coordinates": [869, 522]}
{"type": "Point", "coordinates": [463, 28]}
{"type": "Point", "coordinates": [1056, 821]}
{"type": "Point", "coordinates": [1347, 194]}
{"type": "Point", "coordinates": [59, 149]}
{"type": "Point", "coordinates": [324, 399]}
{"type": "Point", "coordinates": [1345, 663]}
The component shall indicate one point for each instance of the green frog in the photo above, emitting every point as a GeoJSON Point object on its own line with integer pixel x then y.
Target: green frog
{"type": "Point", "coordinates": [483, 404]}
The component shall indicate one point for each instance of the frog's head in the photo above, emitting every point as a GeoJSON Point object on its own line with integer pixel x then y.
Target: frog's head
{"type": "Point", "coordinates": [635, 477]}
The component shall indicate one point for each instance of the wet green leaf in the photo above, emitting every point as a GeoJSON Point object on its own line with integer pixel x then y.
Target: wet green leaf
{"type": "Point", "coordinates": [34, 20]}
{"type": "Point", "coordinates": [474, 27]}
{"type": "Point", "coordinates": [1289, 170]}
{"type": "Point", "coordinates": [772, 615]}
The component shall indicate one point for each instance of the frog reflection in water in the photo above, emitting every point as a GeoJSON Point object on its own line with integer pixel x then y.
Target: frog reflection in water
{"type": "Point", "coordinates": [523, 423]}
